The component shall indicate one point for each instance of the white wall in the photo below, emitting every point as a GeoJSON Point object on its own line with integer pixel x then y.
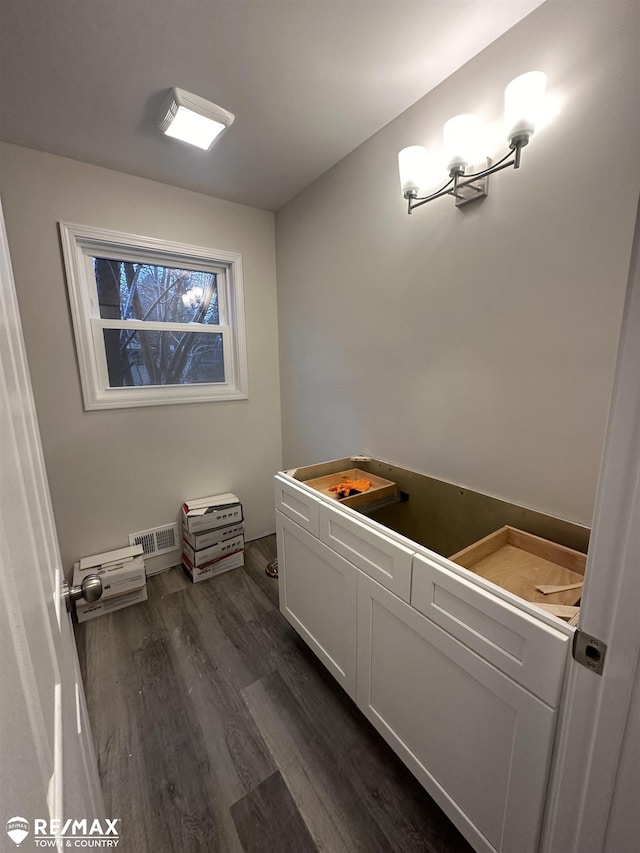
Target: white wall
{"type": "Point", "coordinates": [475, 345]}
{"type": "Point", "coordinates": [116, 472]}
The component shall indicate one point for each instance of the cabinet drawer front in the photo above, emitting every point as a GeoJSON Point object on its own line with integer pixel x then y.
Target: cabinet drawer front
{"type": "Point", "coordinates": [479, 743]}
{"type": "Point", "coordinates": [297, 504]}
{"type": "Point", "coordinates": [386, 561]}
{"type": "Point", "coordinates": [318, 597]}
{"type": "Point", "coordinates": [528, 651]}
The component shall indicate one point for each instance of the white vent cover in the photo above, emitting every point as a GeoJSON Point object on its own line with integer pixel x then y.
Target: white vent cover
{"type": "Point", "coordinates": [157, 540]}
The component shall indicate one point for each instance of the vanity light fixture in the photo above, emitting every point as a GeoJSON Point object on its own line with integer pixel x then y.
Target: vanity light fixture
{"type": "Point", "coordinates": [192, 119]}
{"type": "Point", "coordinates": [523, 99]}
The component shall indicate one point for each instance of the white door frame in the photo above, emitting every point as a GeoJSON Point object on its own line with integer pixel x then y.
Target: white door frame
{"type": "Point", "coordinates": [595, 709]}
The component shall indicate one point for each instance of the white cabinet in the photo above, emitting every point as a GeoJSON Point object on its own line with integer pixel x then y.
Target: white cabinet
{"type": "Point", "coordinates": [478, 742]}
{"type": "Point", "coordinates": [462, 682]}
{"type": "Point", "coordinates": [318, 597]}
{"type": "Point", "coordinates": [378, 555]}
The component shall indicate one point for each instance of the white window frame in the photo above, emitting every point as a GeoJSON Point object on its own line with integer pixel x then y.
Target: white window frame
{"type": "Point", "coordinates": [80, 244]}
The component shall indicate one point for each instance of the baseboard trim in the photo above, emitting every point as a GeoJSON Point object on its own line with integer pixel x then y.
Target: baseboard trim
{"type": "Point", "coordinates": [261, 535]}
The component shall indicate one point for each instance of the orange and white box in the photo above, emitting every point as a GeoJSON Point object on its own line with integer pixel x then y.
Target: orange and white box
{"type": "Point", "coordinates": [226, 564]}
{"type": "Point", "coordinates": [201, 514]}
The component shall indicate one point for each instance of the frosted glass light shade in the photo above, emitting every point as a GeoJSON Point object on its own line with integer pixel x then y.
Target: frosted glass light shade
{"type": "Point", "coordinates": [413, 163]}
{"type": "Point", "coordinates": [523, 101]}
{"type": "Point", "coordinates": [461, 136]}
{"type": "Point", "coordinates": [194, 128]}
{"type": "Point", "coordinates": [195, 120]}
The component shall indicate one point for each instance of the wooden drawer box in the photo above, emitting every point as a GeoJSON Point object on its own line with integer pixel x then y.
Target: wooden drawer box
{"type": "Point", "coordinates": [379, 490]}
{"type": "Point", "coordinates": [518, 562]}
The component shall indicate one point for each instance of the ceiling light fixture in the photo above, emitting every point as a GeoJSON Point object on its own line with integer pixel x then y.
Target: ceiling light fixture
{"type": "Point", "coordinates": [194, 120]}
{"type": "Point", "coordinates": [524, 98]}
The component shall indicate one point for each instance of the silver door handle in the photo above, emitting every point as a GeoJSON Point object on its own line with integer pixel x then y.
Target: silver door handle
{"type": "Point", "coordinates": [90, 589]}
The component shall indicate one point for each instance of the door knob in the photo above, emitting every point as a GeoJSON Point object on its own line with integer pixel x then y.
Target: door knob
{"type": "Point", "coordinates": [90, 589]}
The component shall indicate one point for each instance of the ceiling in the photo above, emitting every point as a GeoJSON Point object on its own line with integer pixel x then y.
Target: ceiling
{"type": "Point", "coordinates": [308, 80]}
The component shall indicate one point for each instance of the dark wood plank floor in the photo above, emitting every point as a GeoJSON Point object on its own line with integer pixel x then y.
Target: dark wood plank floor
{"type": "Point", "coordinates": [217, 729]}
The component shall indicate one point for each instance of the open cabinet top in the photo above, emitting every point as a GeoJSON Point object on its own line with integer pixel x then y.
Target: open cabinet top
{"type": "Point", "coordinates": [508, 549]}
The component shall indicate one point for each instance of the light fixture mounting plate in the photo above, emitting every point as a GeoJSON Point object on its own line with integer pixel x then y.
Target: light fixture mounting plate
{"type": "Point", "coordinates": [477, 190]}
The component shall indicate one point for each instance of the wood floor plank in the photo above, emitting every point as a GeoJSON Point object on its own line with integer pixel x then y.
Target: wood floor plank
{"type": "Point", "coordinates": [202, 625]}
{"type": "Point", "coordinates": [212, 673]}
{"type": "Point", "coordinates": [154, 756]}
{"type": "Point", "coordinates": [186, 810]}
{"type": "Point", "coordinates": [238, 588]}
{"type": "Point", "coordinates": [259, 553]}
{"type": "Point", "coordinates": [267, 819]}
{"type": "Point", "coordinates": [111, 705]}
{"type": "Point", "coordinates": [154, 765]}
{"type": "Point", "coordinates": [166, 583]}
{"type": "Point", "coordinates": [325, 798]}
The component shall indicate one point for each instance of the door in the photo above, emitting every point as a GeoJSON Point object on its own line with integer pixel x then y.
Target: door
{"type": "Point", "coordinates": [478, 741]}
{"type": "Point", "coordinates": [47, 765]}
{"type": "Point", "coordinates": [590, 810]}
{"type": "Point", "coordinates": [318, 597]}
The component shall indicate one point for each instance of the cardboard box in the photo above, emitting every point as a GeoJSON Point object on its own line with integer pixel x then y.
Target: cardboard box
{"type": "Point", "coordinates": [198, 506]}
{"type": "Point", "coordinates": [198, 541]}
{"type": "Point", "coordinates": [199, 559]}
{"type": "Point", "coordinates": [110, 558]}
{"type": "Point", "coordinates": [211, 516]}
{"type": "Point", "coordinates": [117, 578]}
{"type": "Point", "coordinates": [85, 612]}
{"type": "Point", "coordinates": [226, 564]}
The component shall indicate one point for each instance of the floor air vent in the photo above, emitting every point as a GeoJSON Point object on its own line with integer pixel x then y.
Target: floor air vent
{"type": "Point", "coordinates": [158, 540]}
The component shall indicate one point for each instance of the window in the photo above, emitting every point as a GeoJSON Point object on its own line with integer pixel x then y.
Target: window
{"type": "Point", "coordinates": [155, 322]}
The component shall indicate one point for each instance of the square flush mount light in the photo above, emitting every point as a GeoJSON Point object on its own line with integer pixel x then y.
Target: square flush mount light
{"type": "Point", "coordinates": [195, 120]}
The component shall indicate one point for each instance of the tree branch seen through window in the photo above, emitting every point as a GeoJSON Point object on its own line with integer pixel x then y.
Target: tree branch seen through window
{"type": "Point", "coordinates": [146, 292]}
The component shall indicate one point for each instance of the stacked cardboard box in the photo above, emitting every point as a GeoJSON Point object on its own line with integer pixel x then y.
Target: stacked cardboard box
{"type": "Point", "coordinates": [212, 536]}
{"type": "Point", "coordinates": [123, 579]}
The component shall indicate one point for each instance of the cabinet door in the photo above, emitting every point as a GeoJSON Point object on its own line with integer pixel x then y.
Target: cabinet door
{"type": "Point", "coordinates": [478, 742]}
{"type": "Point", "coordinates": [318, 597]}
{"type": "Point", "coordinates": [297, 503]}
{"type": "Point", "coordinates": [521, 646]}
{"type": "Point", "coordinates": [378, 555]}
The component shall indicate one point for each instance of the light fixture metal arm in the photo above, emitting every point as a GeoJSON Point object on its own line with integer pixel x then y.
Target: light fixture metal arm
{"type": "Point", "coordinates": [417, 201]}
{"type": "Point", "coordinates": [459, 180]}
